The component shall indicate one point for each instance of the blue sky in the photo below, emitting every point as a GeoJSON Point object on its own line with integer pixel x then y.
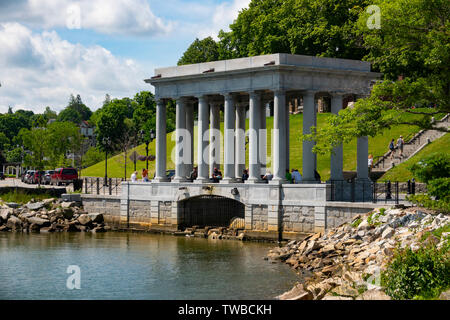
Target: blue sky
{"type": "Point", "coordinates": [50, 49]}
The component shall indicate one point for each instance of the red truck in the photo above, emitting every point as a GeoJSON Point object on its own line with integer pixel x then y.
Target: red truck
{"type": "Point", "coordinates": [63, 175]}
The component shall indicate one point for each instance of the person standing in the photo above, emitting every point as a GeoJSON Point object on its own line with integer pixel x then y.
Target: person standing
{"type": "Point", "coordinates": [244, 175]}
{"type": "Point", "coordinates": [370, 162]}
{"type": "Point", "coordinates": [134, 176]}
{"type": "Point", "coordinates": [400, 144]}
{"type": "Point", "coordinates": [144, 175]}
{"type": "Point", "coordinates": [392, 148]}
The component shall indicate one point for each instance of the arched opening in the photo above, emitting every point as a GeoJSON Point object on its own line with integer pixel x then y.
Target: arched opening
{"type": "Point", "coordinates": [208, 210]}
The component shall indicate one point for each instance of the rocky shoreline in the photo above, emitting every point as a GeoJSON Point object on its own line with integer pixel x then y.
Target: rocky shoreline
{"type": "Point", "coordinates": [49, 215]}
{"type": "Point", "coordinates": [345, 263]}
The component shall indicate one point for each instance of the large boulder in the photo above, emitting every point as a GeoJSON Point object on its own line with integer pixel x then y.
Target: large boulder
{"type": "Point", "coordinates": [96, 217]}
{"type": "Point", "coordinates": [13, 205]}
{"type": "Point", "coordinates": [67, 213]}
{"type": "Point", "coordinates": [445, 295]}
{"type": "Point", "coordinates": [35, 205]}
{"type": "Point", "coordinates": [374, 294]}
{"type": "Point", "coordinates": [39, 221]}
{"type": "Point", "coordinates": [5, 214]}
{"type": "Point", "coordinates": [84, 219]}
{"type": "Point", "coordinates": [71, 204]}
{"type": "Point", "coordinates": [296, 293]}
{"type": "Point", "coordinates": [14, 223]}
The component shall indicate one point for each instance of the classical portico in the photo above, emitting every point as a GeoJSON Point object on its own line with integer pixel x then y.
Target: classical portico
{"type": "Point", "coordinates": [238, 84]}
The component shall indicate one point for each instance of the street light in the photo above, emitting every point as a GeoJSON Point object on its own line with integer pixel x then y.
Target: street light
{"type": "Point", "coordinates": [106, 143]}
{"type": "Point", "coordinates": [147, 141]}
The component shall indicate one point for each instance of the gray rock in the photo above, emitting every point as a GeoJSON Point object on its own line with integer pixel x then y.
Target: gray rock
{"type": "Point", "coordinates": [65, 205]}
{"type": "Point", "coordinates": [13, 205]}
{"type": "Point", "coordinates": [35, 206]}
{"type": "Point", "coordinates": [388, 233]}
{"type": "Point", "coordinates": [374, 294]}
{"type": "Point", "coordinates": [39, 221]}
{"type": "Point", "coordinates": [445, 295]}
{"type": "Point", "coordinates": [14, 223]}
{"type": "Point", "coordinates": [84, 219]}
{"type": "Point", "coordinates": [5, 214]}
{"type": "Point", "coordinates": [67, 213]}
{"type": "Point", "coordinates": [96, 217]}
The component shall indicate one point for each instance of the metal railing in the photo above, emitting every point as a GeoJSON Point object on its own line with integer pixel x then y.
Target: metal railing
{"type": "Point", "coordinates": [94, 185]}
{"type": "Point", "coordinates": [376, 192]}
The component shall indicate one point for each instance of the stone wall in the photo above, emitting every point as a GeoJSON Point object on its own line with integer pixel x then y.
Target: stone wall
{"type": "Point", "coordinates": [109, 206]}
{"type": "Point", "coordinates": [298, 219]}
{"type": "Point", "coordinates": [259, 217]}
{"type": "Point", "coordinates": [336, 216]}
{"type": "Point", "coordinates": [165, 212]}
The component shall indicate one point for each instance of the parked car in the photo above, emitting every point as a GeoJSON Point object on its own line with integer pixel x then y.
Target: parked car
{"type": "Point", "coordinates": [2, 175]}
{"type": "Point", "coordinates": [37, 176]}
{"type": "Point", "coordinates": [63, 175]}
{"type": "Point", "coordinates": [29, 176]}
{"type": "Point", "coordinates": [24, 175]}
{"type": "Point", "coordinates": [47, 178]}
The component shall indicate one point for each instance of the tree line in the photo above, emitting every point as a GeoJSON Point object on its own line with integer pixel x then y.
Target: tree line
{"type": "Point", "coordinates": [44, 140]}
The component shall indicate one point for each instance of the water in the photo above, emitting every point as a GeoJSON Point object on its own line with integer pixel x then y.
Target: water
{"type": "Point", "coordinates": [137, 266]}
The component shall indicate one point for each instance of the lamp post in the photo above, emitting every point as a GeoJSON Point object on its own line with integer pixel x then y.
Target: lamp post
{"type": "Point", "coordinates": [147, 141]}
{"type": "Point", "coordinates": [106, 143]}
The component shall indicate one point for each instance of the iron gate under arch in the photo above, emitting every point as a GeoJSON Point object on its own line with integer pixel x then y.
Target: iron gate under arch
{"type": "Point", "coordinates": [208, 210]}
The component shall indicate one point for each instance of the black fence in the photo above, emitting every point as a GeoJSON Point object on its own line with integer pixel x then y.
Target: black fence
{"type": "Point", "coordinates": [111, 186]}
{"type": "Point", "coordinates": [376, 192]}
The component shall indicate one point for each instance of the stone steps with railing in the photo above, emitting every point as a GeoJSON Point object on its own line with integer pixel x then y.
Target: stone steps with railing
{"type": "Point", "coordinates": [410, 148]}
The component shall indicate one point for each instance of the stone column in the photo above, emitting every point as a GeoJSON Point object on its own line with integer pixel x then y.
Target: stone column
{"type": "Point", "coordinates": [279, 138]}
{"type": "Point", "coordinates": [180, 145]}
{"type": "Point", "coordinates": [255, 121]}
{"type": "Point", "coordinates": [214, 138]}
{"type": "Point", "coordinates": [202, 140]}
{"type": "Point", "coordinates": [337, 156]}
{"type": "Point", "coordinates": [362, 154]}
{"type": "Point", "coordinates": [161, 148]}
{"type": "Point", "coordinates": [262, 140]}
{"type": "Point", "coordinates": [190, 138]}
{"type": "Point", "coordinates": [309, 116]}
{"type": "Point", "coordinates": [229, 174]}
{"type": "Point", "coordinates": [286, 126]}
{"type": "Point", "coordinates": [240, 140]}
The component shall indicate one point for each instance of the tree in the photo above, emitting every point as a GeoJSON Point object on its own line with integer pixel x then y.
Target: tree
{"type": "Point", "coordinates": [111, 124]}
{"type": "Point", "coordinates": [35, 140]}
{"type": "Point", "coordinates": [49, 113]}
{"type": "Point", "coordinates": [62, 138]}
{"type": "Point", "coordinates": [200, 51]}
{"type": "Point", "coordinates": [92, 156]}
{"type": "Point", "coordinates": [124, 143]}
{"type": "Point", "coordinates": [411, 50]}
{"type": "Point", "coordinates": [76, 111]}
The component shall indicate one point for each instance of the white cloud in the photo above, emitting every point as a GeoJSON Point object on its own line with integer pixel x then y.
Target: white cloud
{"type": "Point", "coordinates": [127, 17]}
{"type": "Point", "coordinates": [40, 69]}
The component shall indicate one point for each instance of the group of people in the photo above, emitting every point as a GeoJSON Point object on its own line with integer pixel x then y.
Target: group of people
{"type": "Point", "coordinates": [144, 176]}
{"type": "Point", "coordinates": [291, 177]}
{"type": "Point", "coordinates": [399, 146]}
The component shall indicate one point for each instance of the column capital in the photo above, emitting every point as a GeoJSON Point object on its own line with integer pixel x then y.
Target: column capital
{"type": "Point", "coordinates": [254, 95]}
{"type": "Point", "coordinates": [337, 94]}
{"type": "Point", "coordinates": [181, 99]}
{"type": "Point", "coordinates": [310, 92]}
{"type": "Point", "coordinates": [279, 91]}
{"type": "Point", "coordinates": [202, 98]}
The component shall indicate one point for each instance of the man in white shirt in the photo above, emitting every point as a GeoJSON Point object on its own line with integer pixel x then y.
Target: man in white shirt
{"type": "Point", "coordinates": [134, 176]}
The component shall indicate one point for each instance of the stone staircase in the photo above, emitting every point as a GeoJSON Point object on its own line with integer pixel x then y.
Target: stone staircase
{"type": "Point", "coordinates": [413, 146]}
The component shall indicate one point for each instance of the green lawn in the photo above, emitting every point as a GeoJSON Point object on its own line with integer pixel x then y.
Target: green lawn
{"type": "Point", "coordinates": [401, 172]}
{"type": "Point", "coordinates": [377, 146]}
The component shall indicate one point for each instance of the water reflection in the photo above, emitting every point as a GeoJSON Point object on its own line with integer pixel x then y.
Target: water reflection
{"type": "Point", "coordinates": [137, 266]}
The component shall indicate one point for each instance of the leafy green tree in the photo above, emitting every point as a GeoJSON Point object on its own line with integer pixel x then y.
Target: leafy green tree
{"type": "Point", "coordinates": [35, 140]}
{"type": "Point", "coordinates": [411, 50]}
{"type": "Point", "coordinates": [4, 142]}
{"type": "Point", "coordinates": [110, 124]}
{"type": "Point", "coordinates": [49, 113]}
{"type": "Point", "coordinates": [62, 138]}
{"type": "Point", "coordinates": [200, 51]}
{"type": "Point", "coordinates": [14, 155]}
{"type": "Point", "coordinates": [92, 156]}
{"type": "Point", "coordinates": [10, 124]}
{"type": "Point", "coordinates": [76, 111]}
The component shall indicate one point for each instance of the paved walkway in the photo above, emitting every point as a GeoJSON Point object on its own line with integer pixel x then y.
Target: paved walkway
{"type": "Point", "coordinates": [417, 143]}
{"type": "Point", "coordinates": [13, 182]}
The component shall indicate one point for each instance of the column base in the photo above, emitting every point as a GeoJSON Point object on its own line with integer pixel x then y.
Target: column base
{"type": "Point", "coordinates": [253, 181]}
{"type": "Point", "coordinates": [201, 180]}
{"type": "Point", "coordinates": [278, 181]}
{"type": "Point", "coordinates": [160, 179]}
{"type": "Point", "coordinates": [228, 180]}
{"type": "Point", "coordinates": [179, 179]}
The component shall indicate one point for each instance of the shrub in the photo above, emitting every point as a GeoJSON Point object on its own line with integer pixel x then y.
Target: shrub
{"type": "Point", "coordinates": [435, 166]}
{"type": "Point", "coordinates": [421, 274]}
{"type": "Point", "coordinates": [425, 200]}
{"type": "Point", "coordinates": [439, 188]}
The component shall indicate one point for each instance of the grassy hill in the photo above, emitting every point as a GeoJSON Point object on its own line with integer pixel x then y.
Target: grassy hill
{"type": "Point", "coordinates": [402, 173]}
{"type": "Point", "coordinates": [378, 145]}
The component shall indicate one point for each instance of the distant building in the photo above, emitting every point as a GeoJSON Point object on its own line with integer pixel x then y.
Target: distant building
{"type": "Point", "coordinates": [87, 131]}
